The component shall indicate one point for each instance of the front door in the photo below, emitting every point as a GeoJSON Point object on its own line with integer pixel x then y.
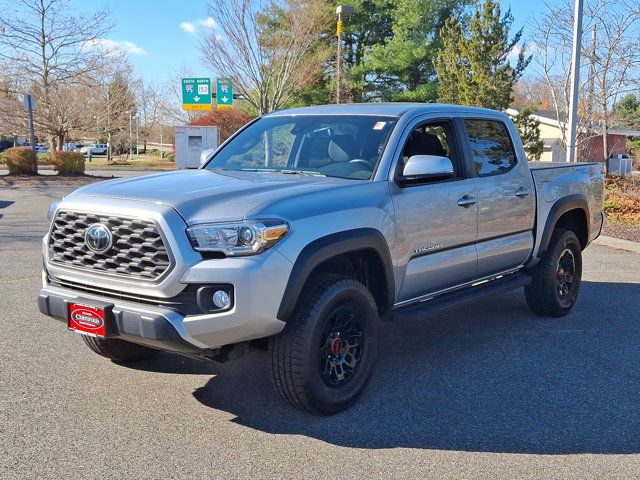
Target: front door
{"type": "Point", "coordinates": [436, 221]}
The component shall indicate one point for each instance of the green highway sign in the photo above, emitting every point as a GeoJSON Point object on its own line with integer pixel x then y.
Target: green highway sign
{"type": "Point", "coordinates": [224, 93]}
{"type": "Point", "coordinates": [196, 94]}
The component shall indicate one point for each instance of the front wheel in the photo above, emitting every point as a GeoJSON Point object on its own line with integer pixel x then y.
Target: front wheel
{"type": "Point", "coordinates": [556, 278]}
{"type": "Point", "coordinates": [326, 354]}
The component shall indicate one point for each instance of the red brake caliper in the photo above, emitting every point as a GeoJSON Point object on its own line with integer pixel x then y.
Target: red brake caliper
{"type": "Point", "coordinates": [336, 346]}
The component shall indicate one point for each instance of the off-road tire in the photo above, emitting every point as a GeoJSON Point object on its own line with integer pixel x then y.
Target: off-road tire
{"type": "Point", "coordinates": [120, 351]}
{"type": "Point", "coordinates": [297, 353]}
{"type": "Point", "coordinates": [542, 294]}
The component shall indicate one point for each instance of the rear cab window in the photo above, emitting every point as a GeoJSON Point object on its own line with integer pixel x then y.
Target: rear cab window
{"type": "Point", "coordinates": [492, 150]}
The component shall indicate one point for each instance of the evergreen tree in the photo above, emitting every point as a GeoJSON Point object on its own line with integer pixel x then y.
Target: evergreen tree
{"type": "Point", "coordinates": [529, 129]}
{"type": "Point", "coordinates": [389, 47]}
{"type": "Point", "coordinates": [401, 67]}
{"type": "Point", "coordinates": [473, 66]}
{"type": "Point", "coordinates": [627, 111]}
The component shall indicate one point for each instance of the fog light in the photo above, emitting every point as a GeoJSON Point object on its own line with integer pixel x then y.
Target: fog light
{"type": "Point", "coordinates": [221, 299]}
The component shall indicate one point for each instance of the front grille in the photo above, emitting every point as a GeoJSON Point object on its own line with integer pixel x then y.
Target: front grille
{"type": "Point", "coordinates": [137, 252]}
{"type": "Point", "coordinates": [184, 303]}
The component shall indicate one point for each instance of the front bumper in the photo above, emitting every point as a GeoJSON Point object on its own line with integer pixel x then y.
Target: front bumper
{"type": "Point", "coordinates": [150, 326]}
{"type": "Point", "coordinates": [258, 285]}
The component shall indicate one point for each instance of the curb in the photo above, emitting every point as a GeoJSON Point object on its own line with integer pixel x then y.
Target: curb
{"type": "Point", "coordinates": [618, 243]}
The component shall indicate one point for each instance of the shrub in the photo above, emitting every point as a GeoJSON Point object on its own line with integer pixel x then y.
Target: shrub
{"type": "Point", "coordinates": [44, 159]}
{"type": "Point", "coordinates": [68, 163]}
{"type": "Point", "coordinates": [228, 121]}
{"type": "Point", "coordinates": [622, 199]}
{"type": "Point", "coordinates": [170, 157]}
{"type": "Point", "coordinates": [21, 160]}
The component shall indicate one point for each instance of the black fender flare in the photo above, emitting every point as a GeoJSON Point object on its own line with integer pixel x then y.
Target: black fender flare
{"type": "Point", "coordinates": [562, 206]}
{"type": "Point", "coordinates": [330, 246]}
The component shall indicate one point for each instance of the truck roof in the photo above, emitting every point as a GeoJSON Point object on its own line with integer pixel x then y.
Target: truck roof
{"type": "Point", "coordinates": [390, 109]}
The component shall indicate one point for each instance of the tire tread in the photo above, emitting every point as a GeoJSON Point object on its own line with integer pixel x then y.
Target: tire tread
{"type": "Point", "coordinates": [290, 346]}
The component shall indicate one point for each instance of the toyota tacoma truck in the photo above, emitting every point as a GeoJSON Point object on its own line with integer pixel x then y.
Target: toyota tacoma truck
{"type": "Point", "coordinates": [308, 227]}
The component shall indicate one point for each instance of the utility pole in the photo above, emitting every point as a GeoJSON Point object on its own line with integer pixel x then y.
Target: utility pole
{"type": "Point", "coordinates": [108, 124]}
{"type": "Point", "coordinates": [130, 133]}
{"type": "Point", "coordinates": [575, 80]}
{"type": "Point", "coordinates": [340, 10]}
{"type": "Point", "coordinates": [137, 137]}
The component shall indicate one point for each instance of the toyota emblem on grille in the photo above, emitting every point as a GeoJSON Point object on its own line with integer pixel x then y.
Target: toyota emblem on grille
{"type": "Point", "coordinates": [98, 238]}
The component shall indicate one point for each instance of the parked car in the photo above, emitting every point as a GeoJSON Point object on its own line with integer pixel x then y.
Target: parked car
{"type": "Point", "coordinates": [5, 144]}
{"type": "Point", "coordinates": [95, 149]}
{"type": "Point", "coordinates": [72, 147]}
{"type": "Point", "coordinates": [41, 149]}
{"type": "Point", "coordinates": [306, 229]}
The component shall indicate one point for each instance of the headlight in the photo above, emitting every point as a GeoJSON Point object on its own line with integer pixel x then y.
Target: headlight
{"type": "Point", "coordinates": [52, 211]}
{"type": "Point", "coordinates": [237, 239]}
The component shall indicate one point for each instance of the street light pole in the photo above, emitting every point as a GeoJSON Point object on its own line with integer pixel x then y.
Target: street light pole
{"type": "Point", "coordinates": [137, 137]}
{"type": "Point", "coordinates": [575, 81]}
{"type": "Point", "coordinates": [130, 134]}
{"type": "Point", "coordinates": [339, 57]}
{"type": "Point", "coordinates": [340, 10]}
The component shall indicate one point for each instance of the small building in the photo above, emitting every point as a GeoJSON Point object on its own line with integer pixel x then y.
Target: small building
{"type": "Point", "coordinates": [590, 149]}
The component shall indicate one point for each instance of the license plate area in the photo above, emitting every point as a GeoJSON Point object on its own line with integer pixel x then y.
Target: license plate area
{"type": "Point", "coordinates": [88, 319]}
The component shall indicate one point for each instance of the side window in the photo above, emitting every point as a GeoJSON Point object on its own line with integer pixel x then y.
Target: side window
{"type": "Point", "coordinates": [491, 147]}
{"type": "Point", "coordinates": [432, 138]}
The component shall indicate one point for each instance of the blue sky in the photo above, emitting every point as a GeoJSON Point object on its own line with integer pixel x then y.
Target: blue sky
{"type": "Point", "coordinates": [164, 35]}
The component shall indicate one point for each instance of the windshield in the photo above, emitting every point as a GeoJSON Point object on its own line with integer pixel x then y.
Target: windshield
{"type": "Point", "coordinates": [344, 146]}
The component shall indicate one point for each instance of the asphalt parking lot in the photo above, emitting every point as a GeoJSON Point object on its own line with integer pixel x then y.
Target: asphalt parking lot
{"type": "Point", "coordinates": [482, 390]}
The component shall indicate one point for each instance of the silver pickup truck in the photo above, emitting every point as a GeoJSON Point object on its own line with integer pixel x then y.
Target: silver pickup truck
{"type": "Point", "coordinates": [309, 226]}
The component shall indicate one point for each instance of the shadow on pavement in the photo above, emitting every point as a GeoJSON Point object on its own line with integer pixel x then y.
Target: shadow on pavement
{"type": "Point", "coordinates": [487, 376]}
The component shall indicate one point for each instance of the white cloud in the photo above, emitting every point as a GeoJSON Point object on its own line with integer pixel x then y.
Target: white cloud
{"type": "Point", "coordinates": [116, 46]}
{"type": "Point", "coordinates": [530, 49]}
{"type": "Point", "coordinates": [192, 26]}
{"type": "Point", "coordinates": [188, 27]}
{"type": "Point", "coordinates": [208, 22]}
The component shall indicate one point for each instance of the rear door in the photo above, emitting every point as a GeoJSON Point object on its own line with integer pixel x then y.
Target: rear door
{"type": "Point", "coordinates": [506, 197]}
{"type": "Point", "coordinates": [436, 221]}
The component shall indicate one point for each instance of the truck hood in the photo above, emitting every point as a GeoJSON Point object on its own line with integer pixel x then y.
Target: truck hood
{"type": "Point", "coordinates": [201, 196]}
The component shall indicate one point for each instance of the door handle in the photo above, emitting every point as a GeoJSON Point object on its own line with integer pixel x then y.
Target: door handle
{"type": "Point", "coordinates": [466, 201]}
{"type": "Point", "coordinates": [522, 192]}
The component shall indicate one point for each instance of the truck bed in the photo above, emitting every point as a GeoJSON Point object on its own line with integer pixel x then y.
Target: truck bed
{"type": "Point", "coordinates": [555, 180]}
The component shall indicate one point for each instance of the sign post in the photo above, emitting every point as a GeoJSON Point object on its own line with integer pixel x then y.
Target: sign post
{"type": "Point", "coordinates": [196, 94]}
{"type": "Point", "coordinates": [224, 93]}
{"type": "Point", "coordinates": [29, 103]}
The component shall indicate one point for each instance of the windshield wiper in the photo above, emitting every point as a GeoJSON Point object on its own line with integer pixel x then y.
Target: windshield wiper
{"type": "Point", "coordinates": [312, 173]}
{"type": "Point", "coordinates": [286, 171]}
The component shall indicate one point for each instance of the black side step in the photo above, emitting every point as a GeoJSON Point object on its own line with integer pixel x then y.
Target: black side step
{"type": "Point", "coordinates": [500, 285]}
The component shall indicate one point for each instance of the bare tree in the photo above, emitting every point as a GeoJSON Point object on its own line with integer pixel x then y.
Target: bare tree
{"type": "Point", "coordinates": [115, 104]}
{"type": "Point", "coordinates": [611, 60]}
{"type": "Point", "coordinates": [531, 91]}
{"type": "Point", "coordinates": [270, 49]}
{"type": "Point", "coordinates": [151, 108]}
{"type": "Point", "coordinates": [53, 53]}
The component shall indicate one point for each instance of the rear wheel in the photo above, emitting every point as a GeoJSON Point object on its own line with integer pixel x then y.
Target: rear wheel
{"type": "Point", "coordinates": [326, 354]}
{"type": "Point", "coordinates": [556, 278]}
{"type": "Point", "coordinates": [120, 351]}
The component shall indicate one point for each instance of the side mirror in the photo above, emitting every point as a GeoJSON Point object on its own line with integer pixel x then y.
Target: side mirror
{"type": "Point", "coordinates": [206, 155]}
{"type": "Point", "coordinates": [426, 167]}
